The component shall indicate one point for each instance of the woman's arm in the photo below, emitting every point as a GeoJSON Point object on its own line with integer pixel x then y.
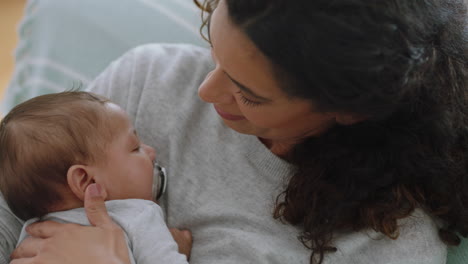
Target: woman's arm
{"type": "Point", "coordinates": [103, 242]}
{"type": "Point", "coordinates": [50, 242]}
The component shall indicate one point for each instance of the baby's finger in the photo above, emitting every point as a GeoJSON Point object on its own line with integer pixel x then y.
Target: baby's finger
{"type": "Point", "coordinates": [44, 229]}
{"type": "Point", "coordinates": [184, 240]}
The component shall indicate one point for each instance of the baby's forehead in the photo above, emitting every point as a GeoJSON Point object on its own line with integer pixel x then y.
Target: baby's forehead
{"type": "Point", "coordinates": [117, 120]}
{"type": "Point", "coordinates": [113, 107]}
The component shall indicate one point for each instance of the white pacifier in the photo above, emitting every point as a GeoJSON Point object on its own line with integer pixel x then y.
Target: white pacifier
{"type": "Point", "coordinates": [159, 181]}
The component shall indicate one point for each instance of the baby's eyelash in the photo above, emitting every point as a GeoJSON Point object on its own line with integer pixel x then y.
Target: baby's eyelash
{"type": "Point", "coordinates": [247, 101]}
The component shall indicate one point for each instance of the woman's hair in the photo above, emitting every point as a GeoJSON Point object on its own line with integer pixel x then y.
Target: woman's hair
{"type": "Point", "coordinates": [402, 65]}
{"type": "Point", "coordinates": [41, 139]}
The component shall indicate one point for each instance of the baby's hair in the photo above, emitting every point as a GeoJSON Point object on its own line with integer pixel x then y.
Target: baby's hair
{"type": "Point", "coordinates": [41, 139]}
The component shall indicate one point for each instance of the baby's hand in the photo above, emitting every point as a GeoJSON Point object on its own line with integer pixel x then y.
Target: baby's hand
{"type": "Point", "coordinates": [184, 240]}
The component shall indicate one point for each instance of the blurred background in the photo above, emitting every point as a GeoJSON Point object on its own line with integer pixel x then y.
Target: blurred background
{"type": "Point", "coordinates": [10, 15]}
{"type": "Point", "coordinates": [67, 43]}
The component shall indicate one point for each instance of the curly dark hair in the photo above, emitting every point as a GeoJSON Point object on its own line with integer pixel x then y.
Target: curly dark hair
{"type": "Point", "coordinates": [401, 64]}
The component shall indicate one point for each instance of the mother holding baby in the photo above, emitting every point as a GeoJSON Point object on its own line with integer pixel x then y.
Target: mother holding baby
{"type": "Point", "coordinates": [327, 132]}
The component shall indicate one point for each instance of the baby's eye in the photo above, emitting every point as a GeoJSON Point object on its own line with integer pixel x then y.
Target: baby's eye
{"type": "Point", "coordinates": [137, 148]}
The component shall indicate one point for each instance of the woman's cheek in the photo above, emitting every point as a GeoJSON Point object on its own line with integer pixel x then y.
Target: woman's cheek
{"type": "Point", "coordinates": [254, 115]}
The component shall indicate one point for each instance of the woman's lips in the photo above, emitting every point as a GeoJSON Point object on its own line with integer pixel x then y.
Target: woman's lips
{"type": "Point", "coordinates": [228, 116]}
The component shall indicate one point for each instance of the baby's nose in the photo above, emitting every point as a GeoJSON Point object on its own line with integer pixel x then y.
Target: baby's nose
{"type": "Point", "coordinates": [151, 152]}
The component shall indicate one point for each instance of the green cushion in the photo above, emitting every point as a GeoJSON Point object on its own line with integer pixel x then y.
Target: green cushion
{"type": "Point", "coordinates": [458, 255]}
{"type": "Point", "coordinates": [66, 43]}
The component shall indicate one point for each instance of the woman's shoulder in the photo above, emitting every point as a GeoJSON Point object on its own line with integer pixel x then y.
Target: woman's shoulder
{"type": "Point", "coordinates": [165, 59]}
{"type": "Point", "coordinates": [183, 49]}
{"type": "Point", "coordinates": [418, 242]}
{"type": "Point", "coordinates": [420, 233]}
{"type": "Point", "coordinates": [154, 60]}
{"type": "Point", "coordinates": [153, 71]}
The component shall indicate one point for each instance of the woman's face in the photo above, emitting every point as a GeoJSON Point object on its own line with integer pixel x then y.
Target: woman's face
{"type": "Point", "coordinates": [245, 94]}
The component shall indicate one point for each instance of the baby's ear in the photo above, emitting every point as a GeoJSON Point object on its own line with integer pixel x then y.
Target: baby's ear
{"type": "Point", "coordinates": [79, 178]}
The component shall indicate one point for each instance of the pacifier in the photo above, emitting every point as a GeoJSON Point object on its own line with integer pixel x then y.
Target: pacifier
{"type": "Point", "coordinates": [159, 181]}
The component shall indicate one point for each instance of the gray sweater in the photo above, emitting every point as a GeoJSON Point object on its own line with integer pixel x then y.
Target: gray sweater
{"type": "Point", "coordinates": [222, 184]}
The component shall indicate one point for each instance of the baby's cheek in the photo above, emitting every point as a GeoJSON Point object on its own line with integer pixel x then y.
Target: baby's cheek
{"type": "Point", "coordinates": [149, 188]}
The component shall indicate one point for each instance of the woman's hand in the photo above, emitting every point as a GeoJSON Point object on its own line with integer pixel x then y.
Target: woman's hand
{"type": "Point", "coordinates": [51, 242]}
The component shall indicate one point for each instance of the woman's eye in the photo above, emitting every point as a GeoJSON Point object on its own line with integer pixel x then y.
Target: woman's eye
{"type": "Point", "coordinates": [247, 101]}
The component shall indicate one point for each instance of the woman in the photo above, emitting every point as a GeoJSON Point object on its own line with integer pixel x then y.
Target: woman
{"type": "Point", "coordinates": [343, 136]}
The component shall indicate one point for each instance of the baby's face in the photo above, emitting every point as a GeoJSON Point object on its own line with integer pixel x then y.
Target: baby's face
{"type": "Point", "coordinates": [127, 171]}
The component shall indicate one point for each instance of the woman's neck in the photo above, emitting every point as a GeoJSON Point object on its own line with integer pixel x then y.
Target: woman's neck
{"type": "Point", "coordinates": [281, 149]}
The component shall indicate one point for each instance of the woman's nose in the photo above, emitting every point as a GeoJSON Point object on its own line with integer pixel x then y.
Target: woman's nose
{"type": "Point", "coordinates": [215, 88]}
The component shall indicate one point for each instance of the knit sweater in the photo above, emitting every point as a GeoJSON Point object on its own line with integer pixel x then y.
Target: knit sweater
{"type": "Point", "coordinates": [222, 185]}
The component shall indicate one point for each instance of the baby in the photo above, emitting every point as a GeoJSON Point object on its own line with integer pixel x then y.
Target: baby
{"type": "Point", "coordinates": [54, 146]}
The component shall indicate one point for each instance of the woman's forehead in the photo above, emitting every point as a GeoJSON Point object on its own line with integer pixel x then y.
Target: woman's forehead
{"type": "Point", "coordinates": [239, 58]}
